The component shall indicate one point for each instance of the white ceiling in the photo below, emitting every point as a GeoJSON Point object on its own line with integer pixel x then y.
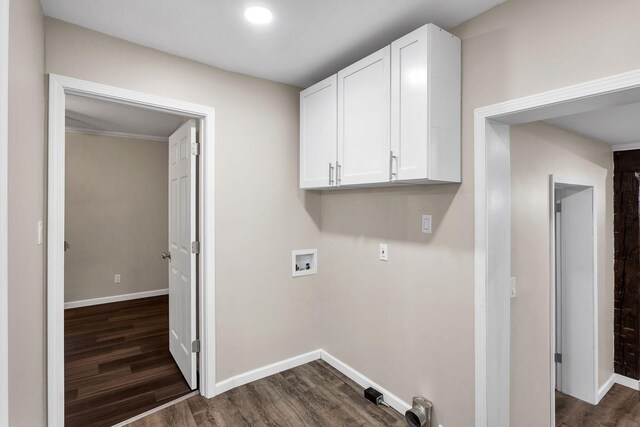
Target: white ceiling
{"type": "Point", "coordinates": [307, 40]}
{"type": "Point", "coordinates": [615, 125]}
{"type": "Point", "coordinates": [95, 115]}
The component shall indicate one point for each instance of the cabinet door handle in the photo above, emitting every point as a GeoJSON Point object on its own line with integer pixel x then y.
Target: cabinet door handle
{"type": "Point", "coordinates": [339, 173]}
{"type": "Point", "coordinates": [330, 173]}
{"type": "Point", "coordinates": [392, 175]}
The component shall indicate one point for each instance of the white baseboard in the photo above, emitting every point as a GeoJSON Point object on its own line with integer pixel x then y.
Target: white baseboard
{"type": "Point", "coordinates": [259, 373]}
{"type": "Point", "coordinates": [605, 388]}
{"type": "Point", "coordinates": [115, 298]}
{"type": "Point", "coordinates": [394, 401]}
{"type": "Point", "coordinates": [627, 382]}
{"type": "Point", "coordinates": [265, 371]}
{"type": "Point", "coordinates": [157, 409]}
{"type": "Point", "coordinates": [616, 379]}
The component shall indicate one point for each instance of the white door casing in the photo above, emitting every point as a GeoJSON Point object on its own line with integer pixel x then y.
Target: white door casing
{"type": "Point", "coordinates": [493, 232]}
{"type": "Point", "coordinates": [364, 120]}
{"type": "Point", "coordinates": [182, 262]}
{"type": "Point", "coordinates": [4, 209]}
{"type": "Point", "coordinates": [59, 86]}
{"type": "Point", "coordinates": [557, 193]}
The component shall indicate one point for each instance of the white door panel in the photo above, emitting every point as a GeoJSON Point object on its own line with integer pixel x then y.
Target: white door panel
{"type": "Point", "coordinates": [364, 120]}
{"type": "Point", "coordinates": [410, 104]}
{"type": "Point", "coordinates": [577, 282]}
{"type": "Point", "coordinates": [182, 264]}
{"type": "Point", "coordinates": [318, 134]}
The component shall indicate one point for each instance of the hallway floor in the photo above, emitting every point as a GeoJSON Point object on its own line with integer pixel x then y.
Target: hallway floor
{"type": "Point", "coordinates": [314, 394]}
{"type": "Point", "coordinates": [117, 361]}
{"type": "Point", "coordinates": [620, 408]}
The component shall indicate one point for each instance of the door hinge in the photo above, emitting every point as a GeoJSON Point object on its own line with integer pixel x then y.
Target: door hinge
{"type": "Point", "coordinates": [195, 247]}
{"type": "Point", "coordinates": [195, 346]}
{"type": "Point", "coordinates": [558, 207]}
{"type": "Point", "coordinates": [195, 149]}
{"type": "Point", "coordinates": [557, 357]}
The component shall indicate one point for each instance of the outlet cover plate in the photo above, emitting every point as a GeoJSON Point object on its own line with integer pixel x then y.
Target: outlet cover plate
{"type": "Point", "coordinates": [384, 252]}
{"type": "Point", "coordinates": [426, 224]}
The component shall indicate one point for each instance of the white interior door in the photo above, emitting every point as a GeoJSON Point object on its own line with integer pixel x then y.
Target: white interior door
{"type": "Point", "coordinates": [182, 261]}
{"type": "Point", "coordinates": [577, 287]}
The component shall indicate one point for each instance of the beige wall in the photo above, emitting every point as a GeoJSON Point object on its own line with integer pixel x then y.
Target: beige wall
{"type": "Point", "coordinates": [537, 151]}
{"type": "Point", "coordinates": [27, 374]}
{"type": "Point", "coordinates": [422, 298]}
{"type": "Point", "coordinates": [528, 46]}
{"type": "Point", "coordinates": [519, 48]}
{"type": "Point", "coordinates": [263, 315]}
{"type": "Point", "coordinates": [116, 216]}
{"type": "Point", "coordinates": [516, 49]}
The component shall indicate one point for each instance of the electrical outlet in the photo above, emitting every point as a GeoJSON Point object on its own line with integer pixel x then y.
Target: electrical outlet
{"type": "Point", "coordinates": [384, 253]}
{"type": "Point", "coordinates": [116, 278]}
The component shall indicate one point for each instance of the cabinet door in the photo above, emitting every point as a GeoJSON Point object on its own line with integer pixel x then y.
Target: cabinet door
{"type": "Point", "coordinates": [318, 134]}
{"type": "Point", "coordinates": [410, 105]}
{"type": "Point", "coordinates": [364, 120]}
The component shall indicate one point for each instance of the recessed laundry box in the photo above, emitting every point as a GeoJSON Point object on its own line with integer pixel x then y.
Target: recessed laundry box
{"type": "Point", "coordinates": [304, 262]}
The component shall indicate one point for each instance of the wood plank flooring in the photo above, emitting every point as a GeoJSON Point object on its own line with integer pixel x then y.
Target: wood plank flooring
{"type": "Point", "coordinates": [117, 361]}
{"type": "Point", "coordinates": [314, 394]}
{"type": "Point", "coordinates": [620, 408]}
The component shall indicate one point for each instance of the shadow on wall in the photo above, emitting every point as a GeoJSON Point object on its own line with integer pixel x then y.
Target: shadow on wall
{"type": "Point", "coordinates": [393, 213]}
{"type": "Point", "coordinates": [311, 201]}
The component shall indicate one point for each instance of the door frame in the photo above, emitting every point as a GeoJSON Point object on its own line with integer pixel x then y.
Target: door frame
{"type": "Point", "coordinates": [4, 212]}
{"type": "Point", "coordinates": [571, 182]}
{"type": "Point", "coordinates": [492, 223]}
{"type": "Point", "coordinates": [59, 86]}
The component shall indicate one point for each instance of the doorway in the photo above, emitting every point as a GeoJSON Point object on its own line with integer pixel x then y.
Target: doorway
{"type": "Point", "coordinates": [492, 126]}
{"type": "Point", "coordinates": [574, 289]}
{"type": "Point", "coordinates": [193, 322]}
{"type": "Point", "coordinates": [130, 316]}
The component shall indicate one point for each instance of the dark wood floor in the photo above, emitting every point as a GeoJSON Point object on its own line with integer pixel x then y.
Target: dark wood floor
{"type": "Point", "coordinates": [117, 361]}
{"type": "Point", "coordinates": [314, 394]}
{"type": "Point", "coordinates": [620, 408]}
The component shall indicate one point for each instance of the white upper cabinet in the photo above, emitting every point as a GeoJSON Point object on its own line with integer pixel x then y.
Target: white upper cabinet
{"type": "Point", "coordinates": [318, 134]}
{"type": "Point", "coordinates": [391, 118]}
{"type": "Point", "coordinates": [364, 120]}
{"type": "Point", "coordinates": [425, 106]}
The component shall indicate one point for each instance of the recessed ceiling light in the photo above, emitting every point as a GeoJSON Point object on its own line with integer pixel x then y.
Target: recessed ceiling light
{"type": "Point", "coordinates": [258, 15]}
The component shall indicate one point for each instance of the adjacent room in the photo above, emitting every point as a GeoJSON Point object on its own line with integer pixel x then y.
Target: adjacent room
{"type": "Point", "coordinates": [121, 299]}
{"type": "Point", "coordinates": [417, 213]}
